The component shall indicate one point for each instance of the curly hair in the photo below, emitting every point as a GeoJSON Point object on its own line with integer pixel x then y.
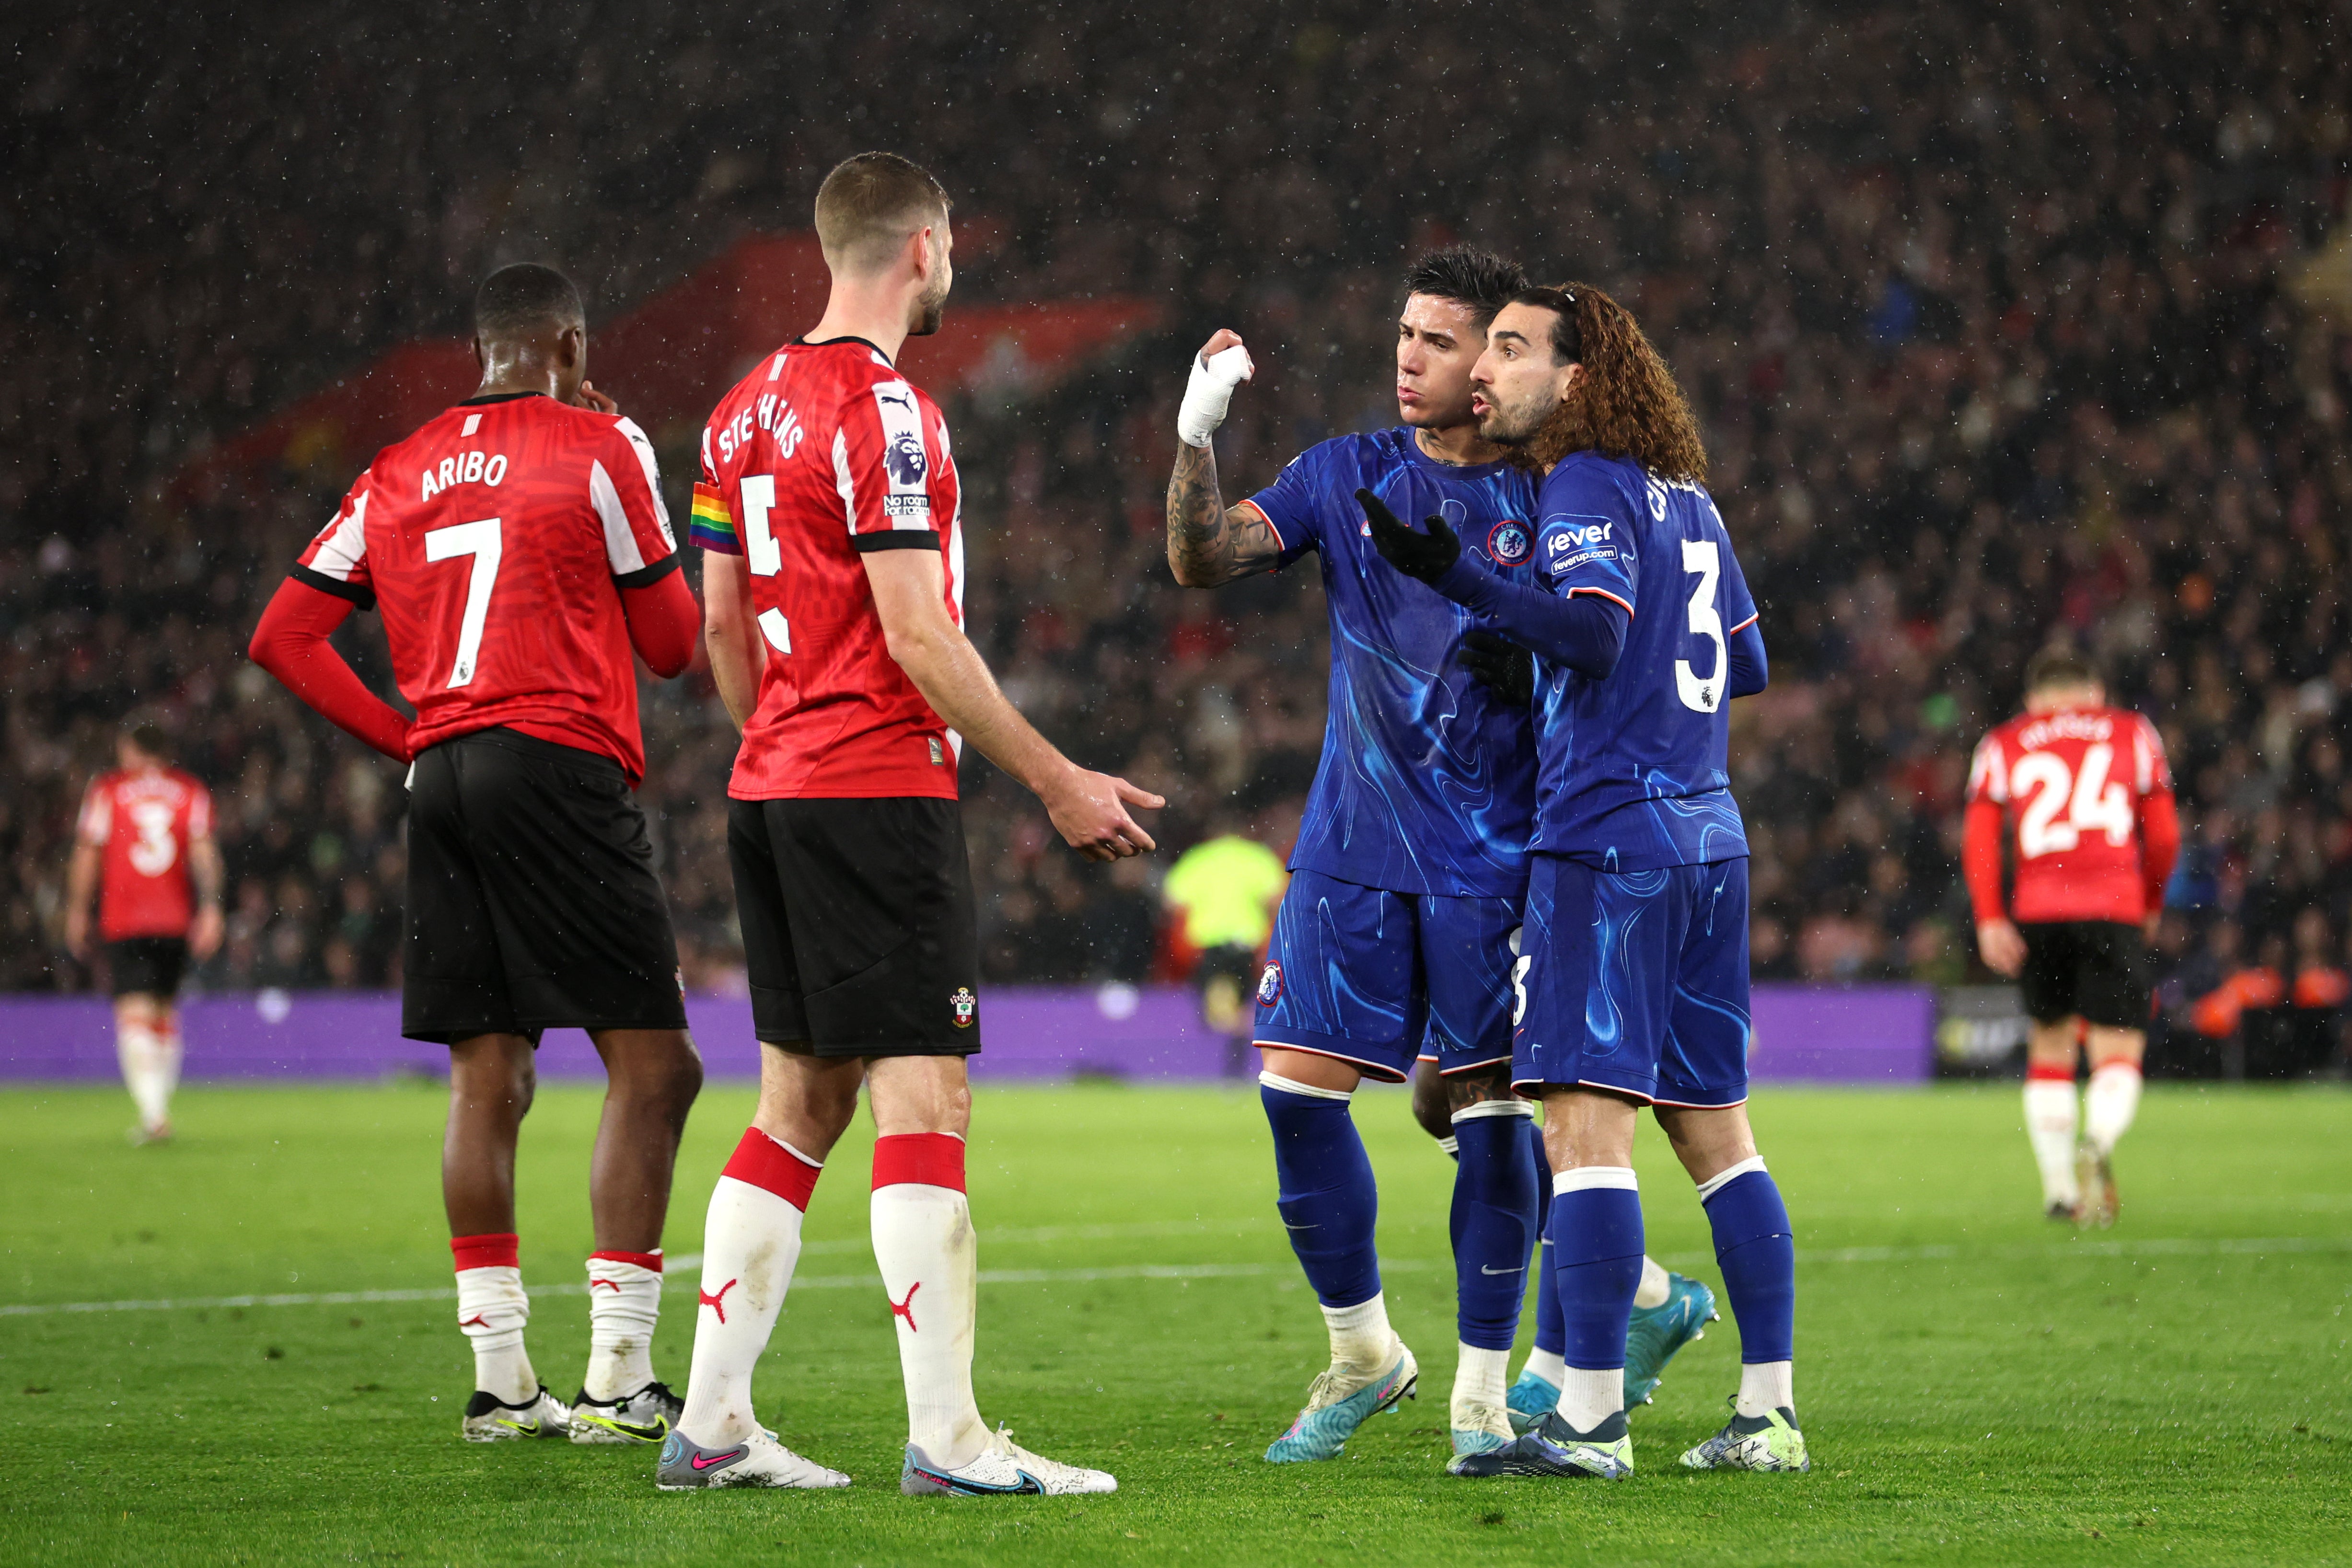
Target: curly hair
{"type": "Point", "coordinates": [1626, 404]}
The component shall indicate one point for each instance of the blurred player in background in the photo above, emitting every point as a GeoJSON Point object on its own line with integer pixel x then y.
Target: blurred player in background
{"type": "Point", "coordinates": [518, 549]}
{"type": "Point", "coordinates": [2090, 795]}
{"type": "Point", "coordinates": [144, 846]}
{"type": "Point", "coordinates": [832, 519]}
{"type": "Point", "coordinates": [1632, 979]}
{"type": "Point", "coordinates": [1396, 936]}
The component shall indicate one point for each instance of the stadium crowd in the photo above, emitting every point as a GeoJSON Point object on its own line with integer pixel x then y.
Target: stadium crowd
{"type": "Point", "coordinates": [1989, 313]}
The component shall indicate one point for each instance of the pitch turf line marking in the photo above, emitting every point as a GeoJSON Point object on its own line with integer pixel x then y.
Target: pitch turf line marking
{"type": "Point", "coordinates": [2164, 1246]}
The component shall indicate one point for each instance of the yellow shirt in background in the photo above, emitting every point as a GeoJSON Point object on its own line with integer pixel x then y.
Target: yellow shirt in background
{"type": "Point", "coordinates": [1226, 888]}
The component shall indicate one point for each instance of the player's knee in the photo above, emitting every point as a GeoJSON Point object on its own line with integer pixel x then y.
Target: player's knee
{"type": "Point", "coordinates": [1429, 1103]}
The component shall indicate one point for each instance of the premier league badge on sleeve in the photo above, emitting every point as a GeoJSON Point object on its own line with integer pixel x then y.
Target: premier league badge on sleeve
{"type": "Point", "coordinates": [965, 1005]}
{"type": "Point", "coordinates": [1269, 985]}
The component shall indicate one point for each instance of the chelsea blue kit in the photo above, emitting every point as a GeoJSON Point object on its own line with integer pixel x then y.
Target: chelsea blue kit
{"type": "Point", "coordinates": [1395, 938]}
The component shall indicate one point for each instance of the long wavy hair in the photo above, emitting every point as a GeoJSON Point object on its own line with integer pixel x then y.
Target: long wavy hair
{"type": "Point", "coordinates": [1626, 404]}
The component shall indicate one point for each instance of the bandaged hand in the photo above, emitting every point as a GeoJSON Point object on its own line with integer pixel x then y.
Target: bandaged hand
{"type": "Point", "coordinates": [1211, 388]}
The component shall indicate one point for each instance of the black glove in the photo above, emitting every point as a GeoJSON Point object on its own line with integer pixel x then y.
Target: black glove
{"type": "Point", "coordinates": [1425, 556]}
{"type": "Point", "coordinates": [1503, 667]}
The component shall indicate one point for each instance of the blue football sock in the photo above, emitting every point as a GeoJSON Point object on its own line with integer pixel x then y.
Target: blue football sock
{"type": "Point", "coordinates": [1327, 1195]}
{"type": "Point", "coordinates": [1757, 1255]}
{"type": "Point", "coordinates": [1551, 1328]}
{"type": "Point", "coordinates": [1493, 1226]}
{"type": "Point", "coordinates": [1596, 1252]}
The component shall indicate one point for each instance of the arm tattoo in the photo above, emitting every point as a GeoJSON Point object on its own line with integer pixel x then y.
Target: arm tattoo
{"type": "Point", "coordinates": [1209, 544]}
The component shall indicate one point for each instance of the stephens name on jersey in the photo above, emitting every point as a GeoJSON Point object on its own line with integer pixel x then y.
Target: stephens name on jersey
{"type": "Point", "coordinates": [2080, 786]}
{"type": "Point", "coordinates": [823, 452]}
{"type": "Point", "coordinates": [1635, 769]}
{"type": "Point", "coordinates": [143, 822]}
{"type": "Point", "coordinates": [1426, 782]}
{"type": "Point", "coordinates": [496, 541]}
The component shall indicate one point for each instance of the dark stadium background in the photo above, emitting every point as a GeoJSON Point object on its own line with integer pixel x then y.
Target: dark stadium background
{"type": "Point", "coordinates": [2005, 323]}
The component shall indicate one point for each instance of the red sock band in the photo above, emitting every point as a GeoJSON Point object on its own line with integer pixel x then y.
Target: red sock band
{"type": "Point", "coordinates": [766, 1163]}
{"type": "Point", "coordinates": [2037, 1073]}
{"type": "Point", "coordinates": [933, 1159]}
{"type": "Point", "coordinates": [649, 1261]}
{"type": "Point", "coordinates": [485, 1251]}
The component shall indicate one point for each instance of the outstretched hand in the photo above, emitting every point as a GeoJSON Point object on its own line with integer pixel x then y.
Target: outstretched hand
{"type": "Point", "coordinates": [1091, 811]}
{"type": "Point", "coordinates": [1423, 556]}
{"type": "Point", "coordinates": [1502, 666]}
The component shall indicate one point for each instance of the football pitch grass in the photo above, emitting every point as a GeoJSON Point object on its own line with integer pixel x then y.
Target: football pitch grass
{"type": "Point", "coordinates": [1975, 1384]}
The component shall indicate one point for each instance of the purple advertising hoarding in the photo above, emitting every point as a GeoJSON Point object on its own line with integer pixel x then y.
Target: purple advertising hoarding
{"type": "Point", "coordinates": [1853, 1034]}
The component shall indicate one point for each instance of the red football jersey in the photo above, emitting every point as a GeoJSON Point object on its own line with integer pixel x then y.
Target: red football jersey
{"type": "Point", "coordinates": [821, 453]}
{"type": "Point", "coordinates": [143, 821]}
{"type": "Point", "coordinates": [496, 541]}
{"type": "Point", "coordinates": [2076, 785]}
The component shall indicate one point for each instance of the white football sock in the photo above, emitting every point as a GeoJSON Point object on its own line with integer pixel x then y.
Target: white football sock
{"type": "Point", "coordinates": [930, 1259]}
{"type": "Point", "coordinates": [1547, 1365]}
{"type": "Point", "coordinates": [1587, 1397]}
{"type": "Point", "coordinates": [624, 1305]}
{"type": "Point", "coordinates": [492, 1310]}
{"type": "Point", "coordinates": [1360, 1337]}
{"type": "Point", "coordinates": [1652, 1290]}
{"type": "Point", "coordinates": [2050, 1111]}
{"type": "Point", "coordinates": [1764, 1385]}
{"type": "Point", "coordinates": [2110, 1102]}
{"type": "Point", "coordinates": [149, 1071]}
{"type": "Point", "coordinates": [751, 1241]}
{"type": "Point", "coordinates": [1480, 1377]}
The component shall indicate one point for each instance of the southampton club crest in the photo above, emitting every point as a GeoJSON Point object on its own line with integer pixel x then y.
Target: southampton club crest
{"type": "Point", "coordinates": [1269, 985]}
{"type": "Point", "coordinates": [965, 1006]}
{"type": "Point", "coordinates": [1509, 543]}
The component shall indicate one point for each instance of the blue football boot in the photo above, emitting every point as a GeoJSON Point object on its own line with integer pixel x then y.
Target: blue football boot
{"type": "Point", "coordinates": [1655, 1334]}
{"type": "Point", "coordinates": [1334, 1410]}
{"type": "Point", "coordinates": [1531, 1399]}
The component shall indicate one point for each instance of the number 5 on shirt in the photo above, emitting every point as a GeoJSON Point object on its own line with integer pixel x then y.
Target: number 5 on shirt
{"type": "Point", "coordinates": [481, 541]}
{"type": "Point", "coordinates": [759, 552]}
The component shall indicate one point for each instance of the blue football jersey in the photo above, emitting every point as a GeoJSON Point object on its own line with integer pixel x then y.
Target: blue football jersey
{"type": "Point", "coordinates": [1426, 785]}
{"type": "Point", "coordinates": [1631, 770]}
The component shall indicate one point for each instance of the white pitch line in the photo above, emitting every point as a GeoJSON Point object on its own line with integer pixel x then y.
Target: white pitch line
{"type": "Point", "coordinates": [2159, 1245]}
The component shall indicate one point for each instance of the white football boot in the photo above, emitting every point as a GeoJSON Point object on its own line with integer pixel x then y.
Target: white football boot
{"type": "Point", "coordinates": [489, 1420]}
{"type": "Point", "coordinates": [645, 1416]}
{"type": "Point", "coordinates": [1004, 1468]}
{"type": "Point", "coordinates": [758, 1460]}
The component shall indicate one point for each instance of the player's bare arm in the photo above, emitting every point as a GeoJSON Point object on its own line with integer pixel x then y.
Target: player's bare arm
{"type": "Point", "coordinates": [727, 628]}
{"type": "Point", "coordinates": [1089, 809]}
{"type": "Point", "coordinates": [81, 885]}
{"type": "Point", "coordinates": [206, 872]}
{"type": "Point", "coordinates": [1208, 543]}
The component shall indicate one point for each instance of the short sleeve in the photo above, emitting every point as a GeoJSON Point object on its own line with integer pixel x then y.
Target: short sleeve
{"type": "Point", "coordinates": [1988, 773]}
{"type": "Point", "coordinates": [200, 812]}
{"type": "Point", "coordinates": [882, 464]}
{"type": "Point", "coordinates": [1585, 542]}
{"type": "Point", "coordinates": [1290, 504]}
{"type": "Point", "coordinates": [712, 525]}
{"type": "Point", "coordinates": [2151, 772]}
{"type": "Point", "coordinates": [1738, 604]}
{"type": "Point", "coordinates": [336, 562]}
{"type": "Point", "coordinates": [97, 823]}
{"type": "Point", "coordinates": [624, 488]}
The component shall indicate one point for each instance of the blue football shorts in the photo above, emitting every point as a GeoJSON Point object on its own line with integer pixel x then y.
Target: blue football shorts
{"type": "Point", "coordinates": [1636, 981]}
{"type": "Point", "coordinates": [1377, 979]}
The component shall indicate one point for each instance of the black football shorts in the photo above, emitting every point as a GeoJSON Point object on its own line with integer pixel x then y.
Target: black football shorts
{"type": "Point", "coordinates": [532, 902]}
{"type": "Point", "coordinates": [859, 926]}
{"type": "Point", "coordinates": [146, 965]}
{"type": "Point", "coordinates": [2097, 968]}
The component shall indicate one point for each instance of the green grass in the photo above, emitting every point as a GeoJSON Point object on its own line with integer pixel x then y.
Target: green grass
{"type": "Point", "coordinates": [1976, 1385]}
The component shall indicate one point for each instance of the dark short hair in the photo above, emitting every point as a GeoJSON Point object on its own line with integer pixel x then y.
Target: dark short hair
{"type": "Point", "coordinates": [526, 295]}
{"type": "Point", "coordinates": [2059, 665]}
{"type": "Point", "coordinates": [1468, 275]}
{"type": "Point", "coordinates": [1567, 337]}
{"type": "Point", "coordinates": [150, 739]}
{"type": "Point", "coordinates": [870, 203]}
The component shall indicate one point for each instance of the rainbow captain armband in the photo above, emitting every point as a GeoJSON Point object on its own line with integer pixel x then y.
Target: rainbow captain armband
{"type": "Point", "coordinates": [712, 525]}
